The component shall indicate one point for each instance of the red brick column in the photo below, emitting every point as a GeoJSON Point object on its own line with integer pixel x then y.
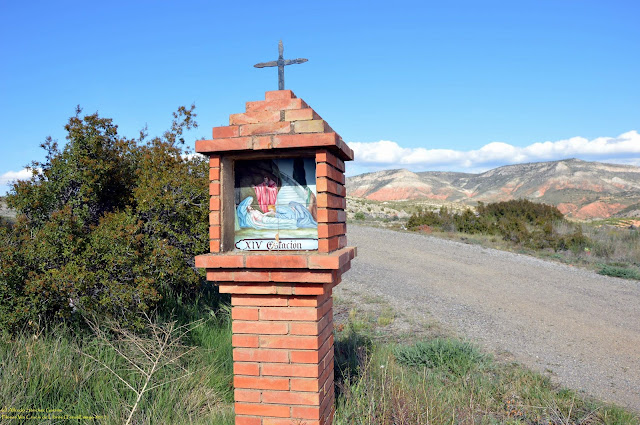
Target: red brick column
{"type": "Point", "coordinates": [282, 332]}
{"type": "Point", "coordinates": [283, 357]}
{"type": "Point", "coordinates": [281, 301]}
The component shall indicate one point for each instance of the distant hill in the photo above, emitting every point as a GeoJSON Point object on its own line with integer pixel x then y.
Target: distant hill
{"type": "Point", "coordinates": [580, 189]}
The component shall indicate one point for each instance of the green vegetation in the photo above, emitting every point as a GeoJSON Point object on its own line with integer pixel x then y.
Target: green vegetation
{"type": "Point", "coordinates": [448, 381]}
{"type": "Point", "coordinates": [538, 229]}
{"type": "Point", "coordinates": [617, 271]}
{"type": "Point", "coordinates": [107, 226]}
{"type": "Point", "coordinates": [65, 370]}
{"type": "Point", "coordinates": [456, 356]}
{"type": "Point", "coordinates": [107, 229]}
{"type": "Point", "coordinates": [519, 221]}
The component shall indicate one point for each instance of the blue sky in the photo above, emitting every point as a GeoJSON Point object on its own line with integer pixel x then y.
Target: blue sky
{"type": "Point", "coordinates": [457, 85]}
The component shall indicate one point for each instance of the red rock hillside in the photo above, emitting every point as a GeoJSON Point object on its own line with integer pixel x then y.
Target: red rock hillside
{"type": "Point", "coordinates": [580, 189]}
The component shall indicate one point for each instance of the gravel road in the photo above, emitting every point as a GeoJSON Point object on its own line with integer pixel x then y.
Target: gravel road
{"type": "Point", "coordinates": [580, 328]}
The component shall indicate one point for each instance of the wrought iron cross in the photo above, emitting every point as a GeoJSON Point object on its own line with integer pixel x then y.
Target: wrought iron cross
{"type": "Point", "coordinates": [280, 63]}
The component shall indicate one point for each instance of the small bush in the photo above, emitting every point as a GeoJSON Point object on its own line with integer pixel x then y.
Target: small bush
{"type": "Point", "coordinates": [106, 225]}
{"type": "Point", "coordinates": [457, 357]}
{"type": "Point", "coordinates": [616, 271]}
{"type": "Point", "coordinates": [359, 215]}
{"type": "Point", "coordinates": [536, 226]}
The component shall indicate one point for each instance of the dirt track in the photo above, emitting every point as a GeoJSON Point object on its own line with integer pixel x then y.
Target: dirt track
{"type": "Point", "coordinates": [581, 328]}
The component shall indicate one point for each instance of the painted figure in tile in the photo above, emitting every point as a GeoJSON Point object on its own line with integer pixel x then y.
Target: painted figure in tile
{"type": "Point", "coordinates": [266, 194]}
{"type": "Point", "coordinates": [292, 216]}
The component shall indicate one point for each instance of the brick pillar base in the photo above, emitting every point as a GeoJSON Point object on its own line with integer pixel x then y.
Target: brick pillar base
{"type": "Point", "coordinates": [283, 358]}
{"type": "Point", "coordinates": [282, 313]}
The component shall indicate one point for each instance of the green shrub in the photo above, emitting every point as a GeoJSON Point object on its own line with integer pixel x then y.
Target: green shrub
{"type": "Point", "coordinates": [455, 356]}
{"type": "Point", "coordinates": [518, 221]}
{"type": "Point", "coordinates": [359, 215]}
{"type": "Point", "coordinates": [107, 225]}
{"type": "Point", "coordinates": [616, 271]}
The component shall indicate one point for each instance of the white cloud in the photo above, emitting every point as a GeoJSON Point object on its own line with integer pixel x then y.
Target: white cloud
{"type": "Point", "coordinates": [11, 176]}
{"type": "Point", "coordinates": [386, 154]}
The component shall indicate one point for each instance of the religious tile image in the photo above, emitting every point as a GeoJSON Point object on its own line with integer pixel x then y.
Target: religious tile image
{"type": "Point", "coordinates": [276, 205]}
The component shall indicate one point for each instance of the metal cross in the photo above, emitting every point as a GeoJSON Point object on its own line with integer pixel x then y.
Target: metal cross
{"type": "Point", "coordinates": [280, 63]}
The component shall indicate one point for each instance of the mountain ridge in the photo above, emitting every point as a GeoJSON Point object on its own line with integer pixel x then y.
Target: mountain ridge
{"type": "Point", "coordinates": [580, 189]}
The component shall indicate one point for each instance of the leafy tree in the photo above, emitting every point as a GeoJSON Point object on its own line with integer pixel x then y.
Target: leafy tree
{"type": "Point", "coordinates": [108, 225]}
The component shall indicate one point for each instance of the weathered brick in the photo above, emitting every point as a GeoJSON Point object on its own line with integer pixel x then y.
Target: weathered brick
{"type": "Point", "coordinates": [244, 313]}
{"type": "Point", "coordinates": [326, 170]}
{"type": "Point", "coordinates": [260, 355]}
{"type": "Point", "coordinates": [261, 142]}
{"type": "Point", "coordinates": [276, 104]}
{"type": "Point", "coordinates": [294, 370]}
{"type": "Point", "coordinates": [259, 300]}
{"type": "Point", "coordinates": [250, 341]}
{"type": "Point", "coordinates": [292, 421]}
{"type": "Point", "coordinates": [251, 288]}
{"type": "Point", "coordinates": [214, 203]}
{"type": "Point", "coordinates": [312, 301]}
{"type": "Point", "coordinates": [262, 328]}
{"type": "Point", "coordinates": [260, 409]}
{"type": "Point", "coordinates": [310, 276]}
{"type": "Point", "coordinates": [300, 342]}
{"type": "Point", "coordinates": [276, 261]}
{"type": "Point", "coordinates": [310, 289]}
{"type": "Point", "coordinates": [224, 261]}
{"type": "Point", "coordinates": [326, 156]}
{"type": "Point", "coordinates": [306, 356]}
{"type": "Point", "coordinates": [329, 230]}
{"type": "Point", "coordinates": [219, 276]}
{"type": "Point", "coordinates": [254, 117]}
{"type": "Point", "coordinates": [214, 161]}
{"type": "Point", "coordinates": [214, 245]}
{"type": "Point", "coordinates": [305, 140]}
{"type": "Point", "coordinates": [310, 126]}
{"type": "Point", "coordinates": [214, 232]}
{"type": "Point", "coordinates": [251, 396]}
{"type": "Point", "coordinates": [306, 412]}
{"type": "Point", "coordinates": [214, 174]}
{"type": "Point", "coordinates": [281, 127]}
{"type": "Point", "coordinates": [248, 420]}
{"type": "Point", "coordinates": [252, 276]}
{"type": "Point", "coordinates": [301, 114]}
{"type": "Point", "coordinates": [225, 132]}
{"type": "Point", "coordinates": [323, 184]}
{"type": "Point", "coordinates": [289, 313]}
{"type": "Point", "coordinates": [287, 397]}
{"type": "Point", "coordinates": [279, 94]}
{"type": "Point", "coordinates": [245, 368]}
{"type": "Point", "coordinates": [331, 216]}
{"type": "Point", "coordinates": [222, 145]}
{"type": "Point", "coordinates": [308, 328]}
{"type": "Point", "coordinates": [266, 383]}
{"type": "Point", "coordinates": [327, 200]}
{"type": "Point", "coordinates": [329, 245]}
{"type": "Point", "coordinates": [214, 188]}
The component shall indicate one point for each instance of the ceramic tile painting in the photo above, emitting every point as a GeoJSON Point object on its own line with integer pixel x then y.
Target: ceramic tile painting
{"type": "Point", "coordinates": [275, 205]}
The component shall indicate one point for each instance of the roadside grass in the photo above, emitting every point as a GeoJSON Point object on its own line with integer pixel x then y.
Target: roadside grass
{"type": "Point", "coordinates": [51, 371]}
{"type": "Point", "coordinates": [448, 381]}
{"type": "Point", "coordinates": [427, 379]}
